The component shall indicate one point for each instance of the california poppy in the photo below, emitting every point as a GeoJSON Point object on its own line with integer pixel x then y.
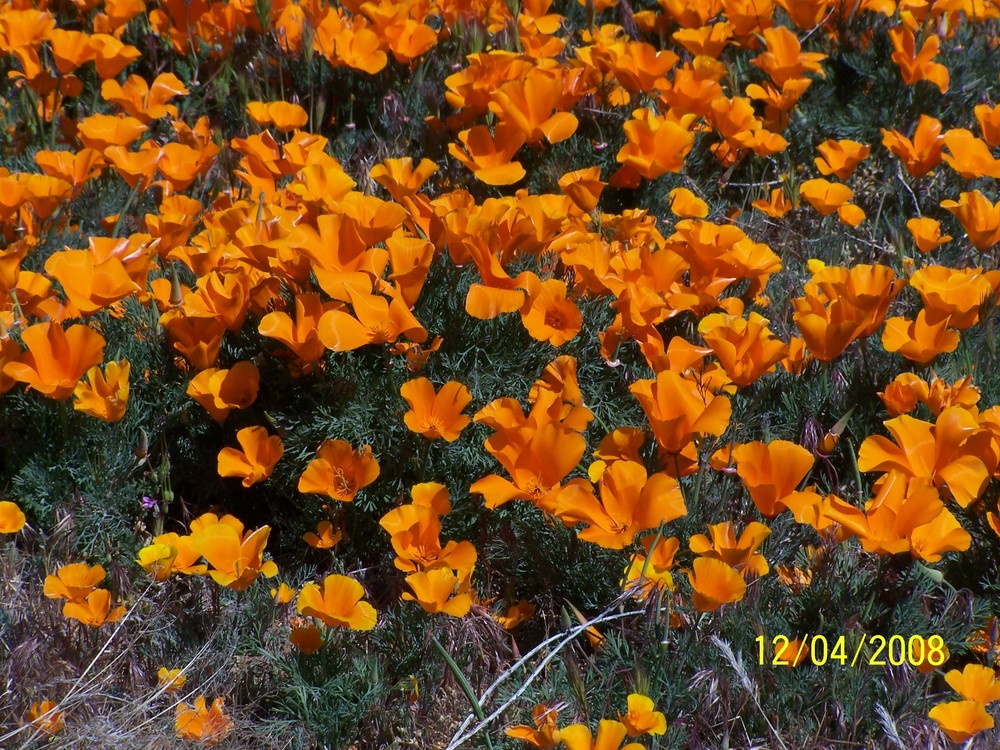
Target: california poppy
{"type": "Point", "coordinates": [104, 395]}
{"type": "Point", "coordinates": [961, 719]}
{"type": "Point", "coordinates": [918, 66]}
{"type": "Point", "coordinates": [95, 610]}
{"type": "Point", "coordinates": [236, 559]}
{"type": "Point", "coordinates": [221, 391]}
{"type": "Point", "coordinates": [979, 217]}
{"type": "Point", "coordinates": [439, 590]}
{"type": "Point", "coordinates": [740, 554]}
{"type": "Point", "coordinates": [201, 723]}
{"type": "Point", "coordinates": [435, 415]}
{"type": "Point", "coordinates": [74, 581]}
{"type": "Point", "coordinates": [325, 536]}
{"type": "Point", "coordinates": [12, 519]}
{"type": "Point", "coordinates": [339, 604]}
{"type": "Point", "coordinates": [489, 155]}
{"type": "Point", "coordinates": [642, 717]}
{"type": "Point", "coordinates": [921, 154]}
{"type": "Point", "coordinates": [544, 735]}
{"type": "Point", "coordinates": [56, 359]}
{"type": "Point", "coordinates": [43, 717]}
{"type": "Point", "coordinates": [339, 471]}
{"type": "Point", "coordinates": [170, 680]}
{"type": "Point", "coordinates": [714, 583]}
{"type": "Point", "coordinates": [257, 459]}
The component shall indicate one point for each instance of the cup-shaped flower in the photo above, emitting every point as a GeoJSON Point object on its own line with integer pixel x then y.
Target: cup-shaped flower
{"type": "Point", "coordinates": [235, 561]}
{"type": "Point", "coordinates": [975, 683]}
{"type": "Point", "coordinates": [12, 518]}
{"type": "Point", "coordinates": [439, 590]}
{"type": "Point", "coordinates": [74, 581]}
{"type": "Point", "coordinates": [610, 734]}
{"type": "Point", "coordinates": [771, 471]}
{"type": "Point", "coordinates": [961, 719]}
{"type": "Point", "coordinates": [713, 583]}
{"type": "Point", "coordinates": [338, 604]}
{"type": "Point", "coordinates": [104, 394]}
{"type": "Point", "coordinates": [746, 348]}
{"type": "Point", "coordinates": [221, 391]}
{"type": "Point", "coordinates": [642, 716]}
{"type": "Point", "coordinates": [436, 415]}
{"type": "Point", "coordinates": [741, 554]}
{"type": "Point", "coordinates": [257, 459]}
{"type": "Point", "coordinates": [95, 610]}
{"type": "Point", "coordinates": [43, 717]}
{"type": "Point", "coordinates": [201, 723]}
{"type": "Point", "coordinates": [325, 536]}
{"type": "Point", "coordinates": [56, 359]}
{"type": "Point", "coordinates": [170, 680]}
{"type": "Point", "coordinates": [339, 471]}
{"type": "Point", "coordinates": [545, 734]}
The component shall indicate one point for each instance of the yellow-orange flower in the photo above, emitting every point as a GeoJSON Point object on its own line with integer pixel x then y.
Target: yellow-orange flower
{"type": "Point", "coordinates": [198, 722]}
{"type": "Point", "coordinates": [339, 471]}
{"type": "Point", "coordinates": [339, 604]}
{"type": "Point", "coordinates": [257, 459]}
{"type": "Point", "coordinates": [436, 415]}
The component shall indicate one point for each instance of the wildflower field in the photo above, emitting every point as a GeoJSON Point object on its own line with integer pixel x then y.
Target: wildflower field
{"type": "Point", "coordinates": [444, 374]}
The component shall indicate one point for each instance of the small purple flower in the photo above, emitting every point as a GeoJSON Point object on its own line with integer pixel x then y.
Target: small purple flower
{"type": "Point", "coordinates": [149, 503]}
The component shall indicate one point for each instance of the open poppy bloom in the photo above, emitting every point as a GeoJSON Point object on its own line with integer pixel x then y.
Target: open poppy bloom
{"type": "Point", "coordinates": [583, 187]}
{"type": "Point", "coordinates": [74, 582]}
{"type": "Point", "coordinates": [143, 101]}
{"type": "Point", "coordinates": [301, 335]}
{"type": "Point", "coordinates": [776, 206]}
{"type": "Point", "coordinates": [772, 471]}
{"type": "Point", "coordinates": [548, 314]}
{"type": "Point", "coordinates": [489, 155]}
{"type": "Point", "coordinates": [918, 66]}
{"type": "Point", "coordinates": [961, 719]}
{"type": "Point", "coordinates": [740, 554]}
{"type": "Point", "coordinates": [439, 590]}
{"type": "Point", "coordinates": [952, 452]}
{"type": "Point", "coordinates": [339, 471]}
{"type": "Point", "coordinates": [969, 156]}
{"type": "Point", "coordinates": [979, 217]}
{"type": "Point", "coordinates": [339, 603]}
{"type": "Point", "coordinates": [919, 340]}
{"type": "Point", "coordinates": [436, 415]}
{"type": "Point", "coordinates": [95, 610]}
{"type": "Point", "coordinates": [285, 116]}
{"type": "Point", "coordinates": [378, 321]}
{"type": "Point", "coordinates": [656, 145]}
{"type": "Point", "coordinates": [927, 233]}
{"type": "Point", "coordinates": [104, 395]}
{"type": "Point", "coordinates": [746, 348]}
{"type": "Point", "coordinates": [630, 503]}
{"type": "Point", "coordinates": [56, 359]}
{"type": "Point", "coordinates": [714, 583]}
{"type": "Point", "coordinates": [257, 459]}
{"type": "Point", "coordinates": [527, 104]}
{"type": "Point", "coordinates": [171, 553]}
{"type": "Point", "coordinates": [221, 391]}
{"type": "Point", "coordinates": [642, 717]}
{"type": "Point", "coordinates": [921, 154]}
{"type": "Point", "coordinates": [325, 536]}
{"type": "Point", "coordinates": [12, 518]}
{"type": "Point", "coordinates": [784, 59]}
{"type": "Point", "coordinates": [650, 572]}
{"type": "Point", "coordinates": [200, 723]}
{"type": "Point", "coordinates": [415, 530]}
{"type": "Point", "coordinates": [545, 734]}
{"type": "Point", "coordinates": [43, 717]}
{"type": "Point", "coordinates": [235, 559]}
{"type": "Point", "coordinates": [975, 683]}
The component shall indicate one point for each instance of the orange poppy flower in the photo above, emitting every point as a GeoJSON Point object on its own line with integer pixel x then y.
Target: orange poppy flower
{"type": "Point", "coordinates": [401, 178]}
{"type": "Point", "coordinates": [679, 412]}
{"type": "Point", "coordinates": [76, 168]}
{"type": "Point", "coordinates": [772, 471]}
{"type": "Point", "coordinates": [969, 156]}
{"type": "Point", "coordinates": [170, 680]}
{"type": "Point", "coordinates": [200, 723]}
{"type": "Point", "coordinates": [101, 131]}
{"type": "Point", "coordinates": [630, 502]}
{"type": "Point", "coordinates": [378, 321]}
{"type": "Point", "coordinates": [825, 196]}
{"type": "Point", "coordinates": [979, 217]}
{"type": "Point", "coordinates": [489, 155]}
{"type": "Point", "coordinates": [975, 683]}
{"type": "Point", "coordinates": [918, 66]}
{"type": "Point", "coordinates": [927, 234]}
{"type": "Point", "coordinates": [43, 717]}
{"type": "Point", "coordinates": [656, 145]}
{"type": "Point", "coordinates": [221, 391]}
{"type": "Point", "coordinates": [961, 719]}
{"type": "Point", "coordinates": [325, 536]}
{"type": "Point", "coordinates": [143, 101]}
{"type": "Point", "coordinates": [776, 206]}
{"type": "Point", "coordinates": [642, 718]}
{"type": "Point", "coordinates": [111, 56]}
{"type": "Point", "coordinates": [415, 531]}
{"type": "Point", "coordinates": [104, 395]}
{"type": "Point", "coordinates": [74, 582]}
{"type": "Point", "coordinates": [236, 559]}
{"type": "Point", "coordinates": [907, 390]}
{"type": "Point", "coordinates": [95, 610]}
{"type": "Point", "coordinates": [439, 590]}
{"type": "Point", "coordinates": [339, 604]}
{"type": "Point", "coordinates": [650, 572]}
{"type": "Point", "coordinates": [746, 348]}
{"type": "Point", "coordinates": [547, 313]}
{"type": "Point", "coordinates": [171, 553]}
{"type": "Point", "coordinates": [739, 554]}
{"type": "Point", "coordinates": [339, 471]}
{"type": "Point", "coordinates": [954, 294]}
{"type": "Point", "coordinates": [923, 153]}
{"type": "Point", "coordinates": [411, 259]}
{"type": "Point", "coordinates": [840, 158]}
{"type": "Point", "coordinates": [12, 519]}
{"type": "Point", "coordinates": [285, 116]}
{"type": "Point", "coordinates": [949, 452]}
{"type": "Point", "coordinates": [527, 104]}
{"type": "Point", "coordinates": [435, 415]}
{"type": "Point", "coordinates": [197, 338]}
{"type": "Point", "coordinates": [713, 583]}
{"type": "Point", "coordinates": [56, 359]}
{"type": "Point", "coordinates": [257, 459]}
{"type": "Point", "coordinates": [583, 187]}
{"type": "Point", "coordinates": [989, 123]}
{"type": "Point", "coordinates": [89, 284]}
{"type": "Point", "coordinates": [784, 58]}
{"type": "Point", "coordinates": [545, 734]}
{"type": "Point", "coordinates": [919, 340]}
{"type": "Point", "coordinates": [686, 205]}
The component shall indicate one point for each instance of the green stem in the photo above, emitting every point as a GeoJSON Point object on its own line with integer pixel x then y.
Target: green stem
{"type": "Point", "coordinates": [464, 684]}
{"type": "Point", "coordinates": [125, 209]}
